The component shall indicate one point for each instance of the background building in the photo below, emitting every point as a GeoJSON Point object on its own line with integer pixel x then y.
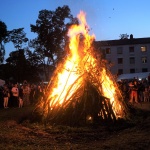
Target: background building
{"type": "Point", "coordinates": [127, 55]}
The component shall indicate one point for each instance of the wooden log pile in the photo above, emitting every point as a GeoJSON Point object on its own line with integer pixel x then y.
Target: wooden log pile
{"type": "Point", "coordinates": [86, 105]}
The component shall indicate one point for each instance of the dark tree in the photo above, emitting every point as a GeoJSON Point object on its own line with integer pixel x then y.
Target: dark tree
{"type": "Point", "coordinates": [18, 64]}
{"type": "Point", "coordinates": [37, 56]}
{"type": "Point", "coordinates": [17, 37]}
{"type": "Point", "coordinates": [3, 34]}
{"type": "Point", "coordinates": [21, 67]}
{"type": "Point", "coordinates": [124, 36]}
{"type": "Point", "coordinates": [51, 28]}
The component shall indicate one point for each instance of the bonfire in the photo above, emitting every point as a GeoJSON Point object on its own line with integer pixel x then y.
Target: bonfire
{"type": "Point", "coordinates": [82, 89]}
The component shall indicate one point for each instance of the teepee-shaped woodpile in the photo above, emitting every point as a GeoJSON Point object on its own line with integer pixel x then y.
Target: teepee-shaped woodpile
{"type": "Point", "coordinates": [82, 89]}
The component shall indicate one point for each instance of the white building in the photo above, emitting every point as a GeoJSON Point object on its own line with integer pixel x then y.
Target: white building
{"type": "Point", "coordinates": [127, 55]}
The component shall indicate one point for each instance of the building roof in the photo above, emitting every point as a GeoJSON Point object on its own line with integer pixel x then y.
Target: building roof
{"type": "Point", "coordinates": [131, 41]}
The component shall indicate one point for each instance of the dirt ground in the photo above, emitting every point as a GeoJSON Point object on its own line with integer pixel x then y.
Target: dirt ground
{"type": "Point", "coordinates": [18, 133]}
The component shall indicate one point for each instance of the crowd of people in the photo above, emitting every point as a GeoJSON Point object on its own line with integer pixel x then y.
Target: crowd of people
{"type": "Point", "coordinates": [20, 95]}
{"type": "Point", "coordinates": [135, 91]}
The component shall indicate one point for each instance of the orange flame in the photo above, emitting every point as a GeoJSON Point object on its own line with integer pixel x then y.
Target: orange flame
{"type": "Point", "coordinates": [68, 72]}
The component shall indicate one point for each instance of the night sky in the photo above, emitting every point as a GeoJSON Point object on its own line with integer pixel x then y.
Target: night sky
{"type": "Point", "coordinates": [107, 19]}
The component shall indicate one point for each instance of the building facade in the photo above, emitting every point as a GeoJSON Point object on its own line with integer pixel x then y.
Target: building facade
{"type": "Point", "coordinates": [127, 55]}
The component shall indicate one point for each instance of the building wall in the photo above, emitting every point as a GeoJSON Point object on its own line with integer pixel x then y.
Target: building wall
{"type": "Point", "coordinates": [126, 55]}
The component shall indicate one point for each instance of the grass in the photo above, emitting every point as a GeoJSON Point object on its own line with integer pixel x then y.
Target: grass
{"type": "Point", "coordinates": [19, 133]}
{"type": "Point", "coordinates": [15, 113]}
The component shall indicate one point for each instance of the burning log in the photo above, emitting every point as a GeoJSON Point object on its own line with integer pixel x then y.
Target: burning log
{"type": "Point", "coordinates": [82, 88]}
{"type": "Point", "coordinates": [87, 102]}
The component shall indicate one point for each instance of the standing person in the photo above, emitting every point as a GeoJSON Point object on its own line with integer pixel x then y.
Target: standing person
{"type": "Point", "coordinates": [10, 85]}
{"type": "Point", "coordinates": [1, 97]}
{"type": "Point", "coordinates": [146, 95]}
{"type": "Point", "coordinates": [6, 95]}
{"type": "Point", "coordinates": [26, 92]}
{"type": "Point", "coordinates": [140, 91]}
{"type": "Point", "coordinates": [15, 94]}
{"type": "Point", "coordinates": [38, 93]}
{"type": "Point", "coordinates": [134, 92]}
{"type": "Point", "coordinates": [21, 97]}
{"type": "Point", "coordinates": [32, 94]}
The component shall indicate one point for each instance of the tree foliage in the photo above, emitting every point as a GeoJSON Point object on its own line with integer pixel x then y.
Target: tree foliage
{"type": "Point", "coordinates": [51, 28]}
{"type": "Point", "coordinates": [48, 47]}
{"type": "Point", "coordinates": [17, 37]}
{"type": "Point", "coordinates": [124, 36]}
{"type": "Point", "coordinates": [21, 67]}
{"type": "Point", "coordinates": [3, 34]}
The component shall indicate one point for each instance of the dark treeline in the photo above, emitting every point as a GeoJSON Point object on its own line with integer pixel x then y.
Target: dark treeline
{"type": "Point", "coordinates": [32, 59]}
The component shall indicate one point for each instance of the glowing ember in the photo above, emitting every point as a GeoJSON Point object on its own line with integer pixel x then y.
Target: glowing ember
{"type": "Point", "coordinates": [81, 62]}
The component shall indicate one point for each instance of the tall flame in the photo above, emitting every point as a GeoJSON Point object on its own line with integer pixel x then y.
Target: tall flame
{"type": "Point", "coordinates": [69, 73]}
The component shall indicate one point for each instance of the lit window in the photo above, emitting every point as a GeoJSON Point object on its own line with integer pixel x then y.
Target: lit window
{"type": "Point", "coordinates": [120, 60]}
{"type": "Point", "coordinates": [143, 48]}
{"type": "Point", "coordinates": [144, 60]}
{"type": "Point", "coordinates": [108, 51]}
{"type": "Point", "coordinates": [132, 60]}
{"type": "Point", "coordinates": [131, 49]}
{"type": "Point", "coordinates": [119, 50]}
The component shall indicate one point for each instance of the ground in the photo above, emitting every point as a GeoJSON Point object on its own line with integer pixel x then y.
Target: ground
{"type": "Point", "coordinates": [18, 133]}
